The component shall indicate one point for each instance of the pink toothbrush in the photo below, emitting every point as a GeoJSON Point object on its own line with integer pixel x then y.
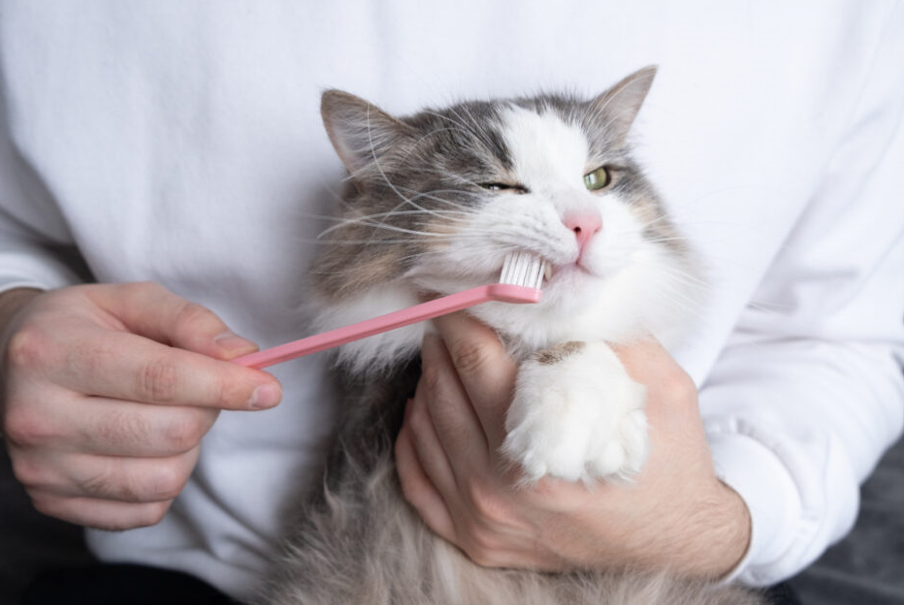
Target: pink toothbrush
{"type": "Point", "coordinates": [519, 283]}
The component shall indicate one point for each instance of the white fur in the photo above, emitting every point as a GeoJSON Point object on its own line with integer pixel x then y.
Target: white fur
{"type": "Point", "coordinates": [578, 419]}
{"type": "Point", "coordinates": [379, 351]}
{"type": "Point", "coordinates": [547, 153]}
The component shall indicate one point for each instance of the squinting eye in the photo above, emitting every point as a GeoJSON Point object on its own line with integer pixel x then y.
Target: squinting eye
{"type": "Point", "coordinates": [504, 187]}
{"type": "Point", "coordinates": [597, 179]}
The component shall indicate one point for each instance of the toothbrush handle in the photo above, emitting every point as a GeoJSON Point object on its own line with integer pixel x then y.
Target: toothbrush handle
{"type": "Point", "coordinates": [441, 306]}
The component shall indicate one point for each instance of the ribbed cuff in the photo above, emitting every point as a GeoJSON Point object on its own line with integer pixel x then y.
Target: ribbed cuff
{"type": "Point", "coordinates": [755, 472]}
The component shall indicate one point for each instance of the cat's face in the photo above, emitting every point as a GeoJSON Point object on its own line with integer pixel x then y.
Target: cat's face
{"type": "Point", "coordinates": [437, 201]}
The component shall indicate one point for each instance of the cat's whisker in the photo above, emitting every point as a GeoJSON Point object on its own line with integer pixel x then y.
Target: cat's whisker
{"type": "Point", "coordinates": [441, 213]}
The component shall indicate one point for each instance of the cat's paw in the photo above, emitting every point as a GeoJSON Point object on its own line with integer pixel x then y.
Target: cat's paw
{"type": "Point", "coordinates": [577, 415]}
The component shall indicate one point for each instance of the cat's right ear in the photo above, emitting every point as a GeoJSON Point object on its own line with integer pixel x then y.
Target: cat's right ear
{"type": "Point", "coordinates": [362, 134]}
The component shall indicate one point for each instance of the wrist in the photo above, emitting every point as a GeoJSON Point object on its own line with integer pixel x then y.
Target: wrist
{"type": "Point", "coordinates": [728, 535]}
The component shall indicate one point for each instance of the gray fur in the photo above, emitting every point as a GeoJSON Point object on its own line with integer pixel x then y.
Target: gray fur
{"type": "Point", "coordinates": [358, 541]}
{"type": "Point", "coordinates": [556, 353]}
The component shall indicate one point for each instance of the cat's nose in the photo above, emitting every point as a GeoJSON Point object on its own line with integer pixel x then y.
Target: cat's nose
{"type": "Point", "coordinates": [584, 225]}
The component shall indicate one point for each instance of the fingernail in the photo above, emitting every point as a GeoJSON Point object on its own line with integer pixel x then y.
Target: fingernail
{"type": "Point", "coordinates": [233, 342]}
{"type": "Point", "coordinates": [265, 396]}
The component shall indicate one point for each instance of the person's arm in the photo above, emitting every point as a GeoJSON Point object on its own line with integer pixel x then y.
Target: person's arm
{"type": "Point", "coordinates": [809, 392]}
{"type": "Point", "coordinates": [676, 514]}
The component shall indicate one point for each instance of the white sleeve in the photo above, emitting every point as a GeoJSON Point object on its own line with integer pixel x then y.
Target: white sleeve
{"type": "Point", "coordinates": [35, 246]}
{"type": "Point", "coordinates": [809, 391]}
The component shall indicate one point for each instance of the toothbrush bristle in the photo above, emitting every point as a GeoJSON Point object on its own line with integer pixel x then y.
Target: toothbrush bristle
{"type": "Point", "coordinates": [523, 269]}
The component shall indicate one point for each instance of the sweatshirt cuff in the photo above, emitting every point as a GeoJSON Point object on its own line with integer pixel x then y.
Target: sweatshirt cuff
{"type": "Point", "coordinates": [764, 483]}
{"type": "Point", "coordinates": [34, 270]}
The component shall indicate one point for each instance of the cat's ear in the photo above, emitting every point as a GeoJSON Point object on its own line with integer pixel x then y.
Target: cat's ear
{"type": "Point", "coordinates": [361, 133]}
{"type": "Point", "coordinates": [618, 106]}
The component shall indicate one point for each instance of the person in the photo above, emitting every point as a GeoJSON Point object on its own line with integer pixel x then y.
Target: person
{"type": "Point", "coordinates": [162, 171]}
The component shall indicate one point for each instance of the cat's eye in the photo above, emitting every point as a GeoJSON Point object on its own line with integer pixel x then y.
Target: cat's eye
{"type": "Point", "coordinates": [504, 187]}
{"type": "Point", "coordinates": [597, 179]}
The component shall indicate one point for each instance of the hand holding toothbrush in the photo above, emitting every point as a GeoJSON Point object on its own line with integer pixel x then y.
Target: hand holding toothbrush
{"type": "Point", "coordinates": [107, 392]}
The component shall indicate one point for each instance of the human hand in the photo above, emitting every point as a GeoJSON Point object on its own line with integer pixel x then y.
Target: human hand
{"type": "Point", "coordinates": [675, 514]}
{"type": "Point", "coordinates": [107, 392]}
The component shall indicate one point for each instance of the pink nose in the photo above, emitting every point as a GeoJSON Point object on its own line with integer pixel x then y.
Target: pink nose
{"type": "Point", "coordinates": [584, 226]}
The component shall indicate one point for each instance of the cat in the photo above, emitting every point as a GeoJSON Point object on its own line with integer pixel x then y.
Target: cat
{"type": "Point", "coordinates": [433, 204]}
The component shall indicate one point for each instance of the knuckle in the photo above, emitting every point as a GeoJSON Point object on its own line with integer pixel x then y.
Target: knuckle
{"type": "Point", "coordinates": [481, 548]}
{"type": "Point", "coordinates": [27, 472]}
{"type": "Point", "coordinates": [167, 482]}
{"type": "Point", "coordinates": [182, 433]}
{"type": "Point", "coordinates": [157, 381]}
{"type": "Point", "coordinates": [46, 505]}
{"type": "Point", "coordinates": [25, 428]}
{"type": "Point", "coordinates": [152, 513]}
{"type": "Point", "coordinates": [470, 356]}
{"type": "Point", "coordinates": [102, 483]}
{"type": "Point", "coordinates": [413, 491]}
{"type": "Point", "coordinates": [123, 428]}
{"type": "Point", "coordinates": [28, 349]}
{"type": "Point", "coordinates": [418, 419]}
{"type": "Point", "coordinates": [430, 378]}
{"type": "Point", "coordinates": [488, 507]}
{"type": "Point", "coordinates": [189, 316]}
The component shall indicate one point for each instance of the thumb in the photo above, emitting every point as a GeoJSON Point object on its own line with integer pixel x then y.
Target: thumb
{"type": "Point", "coordinates": [150, 310]}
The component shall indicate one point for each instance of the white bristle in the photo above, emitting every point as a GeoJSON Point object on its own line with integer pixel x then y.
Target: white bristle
{"type": "Point", "coordinates": [523, 269]}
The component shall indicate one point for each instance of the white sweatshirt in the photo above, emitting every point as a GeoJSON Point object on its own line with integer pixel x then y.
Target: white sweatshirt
{"type": "Point", "coordinates": [181, 142]}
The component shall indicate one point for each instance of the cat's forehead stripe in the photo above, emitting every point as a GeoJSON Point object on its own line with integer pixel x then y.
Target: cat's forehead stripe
{"type": "Point", "coordinates": [543, 146]}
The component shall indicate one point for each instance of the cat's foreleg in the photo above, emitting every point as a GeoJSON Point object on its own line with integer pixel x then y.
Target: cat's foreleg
{"type": "Point", "coordinates": [577, 415]}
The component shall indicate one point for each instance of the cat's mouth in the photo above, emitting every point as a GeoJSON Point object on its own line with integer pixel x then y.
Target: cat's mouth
{"type": "Point", "coordinates": [556, 273]}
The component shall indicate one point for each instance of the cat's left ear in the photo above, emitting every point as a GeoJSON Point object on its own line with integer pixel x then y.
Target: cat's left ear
{"type": "Point", "coordinates": [619, 105]}
{"type": "Point", "coordinates": [362, 134]}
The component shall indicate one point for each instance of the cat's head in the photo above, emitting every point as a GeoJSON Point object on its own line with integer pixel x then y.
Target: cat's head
{"type": "Point", "coordinates": [436, 200]}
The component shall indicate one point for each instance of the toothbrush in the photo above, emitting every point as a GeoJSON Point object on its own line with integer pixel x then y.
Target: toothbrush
{"type": "Point", "coordinates": [519, 283]}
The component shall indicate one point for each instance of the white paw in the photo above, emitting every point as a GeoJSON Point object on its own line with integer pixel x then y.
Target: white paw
{"type": "Point", "coordinates": [579, 418]}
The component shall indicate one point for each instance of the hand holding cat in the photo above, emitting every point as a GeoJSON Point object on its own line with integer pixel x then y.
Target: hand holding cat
{"type": "Point", "coordinates": [675, 513]}
{"type": "Point", "coordinates": [101, 417]}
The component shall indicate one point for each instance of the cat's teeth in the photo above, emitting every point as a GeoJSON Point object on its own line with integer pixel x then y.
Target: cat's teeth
{"type": "Point", "coordinates": [547, 271]}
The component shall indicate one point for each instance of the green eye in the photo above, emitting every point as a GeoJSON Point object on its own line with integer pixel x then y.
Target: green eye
{"type": "Point", "coordinates": [597, 179]}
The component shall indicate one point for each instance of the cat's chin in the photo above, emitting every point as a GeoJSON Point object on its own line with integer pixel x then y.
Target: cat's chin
{"type": "Point", "coordinates": [574, 289]}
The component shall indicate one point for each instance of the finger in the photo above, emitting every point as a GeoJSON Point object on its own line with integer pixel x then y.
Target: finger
{"type": "Point", "coordinates": [108, 427]}
{"type": "Point", "coordinates": [418, 490]}
{"type": "Point", "coordinates": [486, 371]}
{"type": "Point", "coordinates": [647, 361]}
{"type": "Point", "coordinates": [108, 515]}
{"type": "Point", "coordinates": [449, 408]}
{"type": "Point", "coordinates": [152, 311]}
{"type": "Point", "coordinates": [119, 365]}
{"type": "Point", "coordinates": [428, 448]}
{"type": "Point", "coordinates": [113, 478]}
{"type": "Point", "coordinates": [651, 365]}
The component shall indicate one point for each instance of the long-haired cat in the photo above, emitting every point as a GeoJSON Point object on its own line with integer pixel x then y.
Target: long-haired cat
{"type": "Point", "coordinates": [434, 203]}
